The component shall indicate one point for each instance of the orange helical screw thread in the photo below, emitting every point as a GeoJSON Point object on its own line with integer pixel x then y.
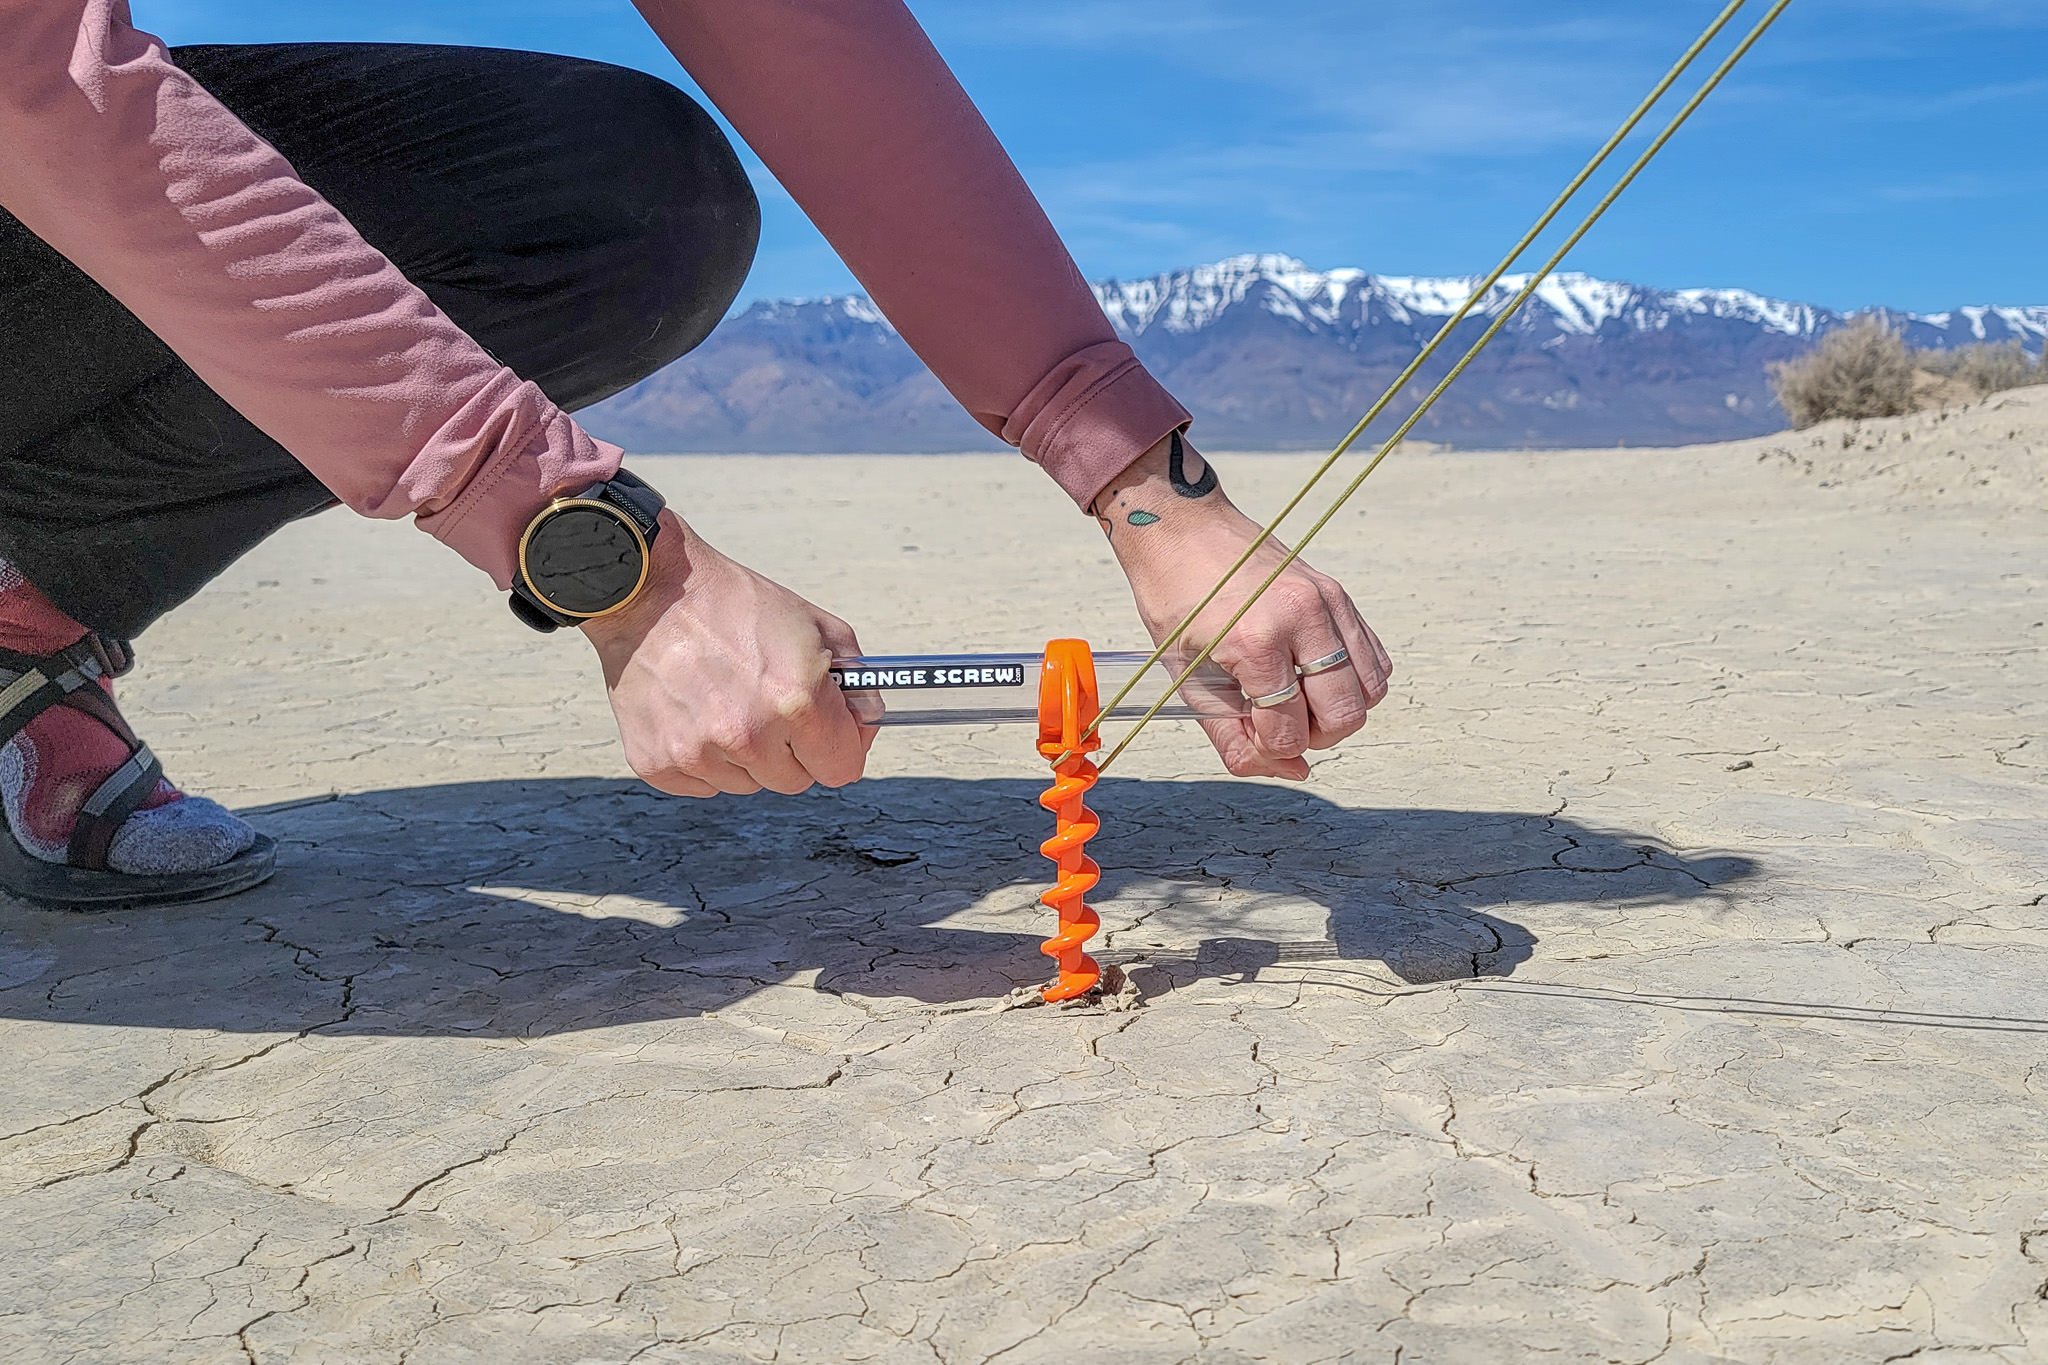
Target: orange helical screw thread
{"type": "Point", "coordinates": [1067, 703]}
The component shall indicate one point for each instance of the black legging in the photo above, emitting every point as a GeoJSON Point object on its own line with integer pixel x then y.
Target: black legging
{"type": "Point", "coordinates": [586, 223]}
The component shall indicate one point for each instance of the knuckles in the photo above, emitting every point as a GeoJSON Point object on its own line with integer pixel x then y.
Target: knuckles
{"type": "Point", "coordinates": [793, 704]}
{"type": "Point", "coordinates": [1294, 596]}
{"type": "Point", "coordinates": [690, 757]}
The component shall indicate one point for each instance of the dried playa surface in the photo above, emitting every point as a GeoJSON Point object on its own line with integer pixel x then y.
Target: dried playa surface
{"type": "Point", "coordinates": [1663, 978]}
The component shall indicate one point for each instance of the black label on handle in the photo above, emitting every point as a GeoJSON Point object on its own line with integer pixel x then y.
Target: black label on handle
{"type": "Point", "coordinates": [928, 676]}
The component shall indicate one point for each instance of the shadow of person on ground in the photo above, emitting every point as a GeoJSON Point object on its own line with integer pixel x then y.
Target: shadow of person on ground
{"type": "Point", "coordinates": [530, 908]}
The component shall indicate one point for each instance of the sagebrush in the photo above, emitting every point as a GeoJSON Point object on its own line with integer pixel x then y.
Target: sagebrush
{"type": "Point", "coordinates": [1987, 367]}
{"type": "Point", "coordinates": [1867, 370]}
{"type": "Point", "coordinates": [1863, 370]}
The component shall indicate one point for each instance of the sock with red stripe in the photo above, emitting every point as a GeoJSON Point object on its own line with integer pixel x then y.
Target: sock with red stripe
{"type": "Point", "coordinates": [62, 756]}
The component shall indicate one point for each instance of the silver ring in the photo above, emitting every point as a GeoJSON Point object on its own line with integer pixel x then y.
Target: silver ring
{"type": "Point", "coordinates": [1324, 664]}
{"type": "Point", "coordinates": [1280, 698]}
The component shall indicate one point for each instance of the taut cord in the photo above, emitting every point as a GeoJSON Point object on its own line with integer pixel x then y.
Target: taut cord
{"type": "Point", "coordinates": [1500, 321]}
{"type": "Point", "coordinates": [1472, 300]}
{"type": "Point", "coordinates": [1442, 334]}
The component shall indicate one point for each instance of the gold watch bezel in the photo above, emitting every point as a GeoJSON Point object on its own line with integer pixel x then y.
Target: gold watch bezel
{"type": "Point", "coordinates": [563, 505]}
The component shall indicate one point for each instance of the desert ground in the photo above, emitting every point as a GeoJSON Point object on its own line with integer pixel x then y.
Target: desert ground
{"type": "Point", "coordinates": [1662, 976]}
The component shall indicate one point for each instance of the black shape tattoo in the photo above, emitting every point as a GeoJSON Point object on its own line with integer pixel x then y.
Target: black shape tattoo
{"type": "Point", "coordinates": [1177, 474]}
{"type": "Point", "coordinates": [1103, 516]}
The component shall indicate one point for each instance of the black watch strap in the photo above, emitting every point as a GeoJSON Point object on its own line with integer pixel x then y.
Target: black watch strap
{"type": "Point", "coordinates": [630, 495]}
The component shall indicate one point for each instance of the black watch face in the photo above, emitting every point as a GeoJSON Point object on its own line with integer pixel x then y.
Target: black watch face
{"type": "Point", "coordinates": [584, 558]}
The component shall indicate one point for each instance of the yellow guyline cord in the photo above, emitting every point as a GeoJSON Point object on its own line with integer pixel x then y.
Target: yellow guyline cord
{"type": "Point", "coordinates": [1500, 321]}
{"type": "Point", "coordinates": [1443, 333]}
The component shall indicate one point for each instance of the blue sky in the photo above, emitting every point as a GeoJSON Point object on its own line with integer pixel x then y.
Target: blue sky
{"type": "Point", "coordinates": [1872, 151]}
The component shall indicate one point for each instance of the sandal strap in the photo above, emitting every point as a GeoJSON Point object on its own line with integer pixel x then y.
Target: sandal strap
{"type": "Point", "coordinates": [31, 684]}
{"type": "Point", "coordinates": [104, 655]}
{"type": "Point", "coordinates": [111, 803]}
{"type": "Point", "coordinates": [100, 707]}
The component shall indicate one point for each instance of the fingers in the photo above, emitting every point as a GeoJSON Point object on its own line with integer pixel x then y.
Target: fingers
{"type": "Point", "coordinates": [776, 768]}
{"type": "Point", "coordinates": [805, 739]}
{"type": "Point", "coordinates": [838, 636]}
{"type": "Point", "coordinates": [1302, 619]}
{"type": "Point", "coordinates": [704, 773]}
{"type": "Point", "coordinates": [1378, 649]}
{"type": "Point", "coordinates": [1356, 686]}
{"type": "Point", "coordinates": [864, 709]}
{"type": "Point", "coordinates": [1369, 659]}
{"type": "Point", "coordinates": [1368, 655]}
{"type": "Point", "coordinates": [800, 739]}
{"type": "Point", "coordinates": [1337, 696]}
{"type": "Point", "coordinates": [867, 708]}
{"type": "Point", "coordinates": [679, 784]}
{"type": "Point", "coordinates": [825, 740]}
{"type": "Point", "coordinates": [1365, 656]}
{"type": "Point", "coordinates": [1239, 749]}
{"type": "Point", "coordinates": [1261, 658]}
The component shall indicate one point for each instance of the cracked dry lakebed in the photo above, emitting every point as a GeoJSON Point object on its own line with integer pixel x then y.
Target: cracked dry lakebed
{"type": "Point", "coordinates": [1661, 976]}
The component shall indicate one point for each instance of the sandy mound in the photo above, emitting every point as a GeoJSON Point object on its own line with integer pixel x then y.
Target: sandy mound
{"type": "Point", "coordinates": [1988, 453]}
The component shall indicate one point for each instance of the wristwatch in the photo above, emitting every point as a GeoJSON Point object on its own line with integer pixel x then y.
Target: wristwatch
{"type": "Point", "coordinates": [586, 555]}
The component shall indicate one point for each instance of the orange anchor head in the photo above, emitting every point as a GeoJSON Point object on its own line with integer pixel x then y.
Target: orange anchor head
{"type": "Point", "coordinates": [1067, 699]}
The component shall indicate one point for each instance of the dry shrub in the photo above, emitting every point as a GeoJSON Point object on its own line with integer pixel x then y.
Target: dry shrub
{"type": "Point", "coordinates": [1987, 367]}
{"type": "Point", "coordinates": [1863, 370]}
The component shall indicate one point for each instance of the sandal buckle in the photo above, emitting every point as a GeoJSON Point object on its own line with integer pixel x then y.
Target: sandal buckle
{"type": "Point", "coordinates": [114, 656]}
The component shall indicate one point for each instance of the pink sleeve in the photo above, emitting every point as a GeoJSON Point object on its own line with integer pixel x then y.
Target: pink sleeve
{"type": "Point", "coordinates": [860, 119]}
{"type": "Point", "coordinates": [128, 167]}
{"type": "Point", "coordinates": [134, 172]}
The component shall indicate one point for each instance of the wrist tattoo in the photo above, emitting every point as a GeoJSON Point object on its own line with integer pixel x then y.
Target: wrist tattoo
{"type": "Point", "coordinates": [1109, 509]}
{"type": "Point", "coordinates": [1177, 473]}
{"type": "Point", "coordinates": [1136, 517]}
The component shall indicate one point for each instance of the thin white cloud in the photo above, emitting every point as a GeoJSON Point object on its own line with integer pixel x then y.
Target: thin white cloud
{"type": "Point", "coordinates": [1949, 189]}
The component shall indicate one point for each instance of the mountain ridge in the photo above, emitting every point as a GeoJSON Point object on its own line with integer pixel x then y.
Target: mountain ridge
{"type": "Point", "coordinates": [1271, 353]}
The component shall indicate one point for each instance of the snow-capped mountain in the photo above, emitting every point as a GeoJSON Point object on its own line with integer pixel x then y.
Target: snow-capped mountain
{"type": "Point", "coordinates": [1270, 353]}
{"type": "Point", "coordinates": [1347, 299]}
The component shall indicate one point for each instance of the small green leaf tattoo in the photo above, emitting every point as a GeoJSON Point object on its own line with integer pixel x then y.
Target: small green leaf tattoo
{"type": "Point", "coordinates": [1142, 518]}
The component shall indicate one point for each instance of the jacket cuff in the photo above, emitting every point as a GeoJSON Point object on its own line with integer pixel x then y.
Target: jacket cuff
{"type": "Point", "coordinates": [541, 453]}
{"type": "Point", "coordinates": [1098, 410]}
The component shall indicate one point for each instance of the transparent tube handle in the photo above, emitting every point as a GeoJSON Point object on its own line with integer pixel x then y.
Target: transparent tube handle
{"type": "Point", "coordinates": [1002, 689]}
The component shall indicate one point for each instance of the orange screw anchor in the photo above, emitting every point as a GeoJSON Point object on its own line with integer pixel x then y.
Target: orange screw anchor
{"type": "Point", "coordinates": [1067, 702]}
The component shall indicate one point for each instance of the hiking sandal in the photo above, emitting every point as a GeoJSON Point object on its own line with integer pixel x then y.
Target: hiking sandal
{"type": "Point", "coordinates": [32, 684]}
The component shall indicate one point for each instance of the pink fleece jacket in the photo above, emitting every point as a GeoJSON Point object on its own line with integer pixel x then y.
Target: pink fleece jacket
{"type": "Point", "coordinates": [128, 167]}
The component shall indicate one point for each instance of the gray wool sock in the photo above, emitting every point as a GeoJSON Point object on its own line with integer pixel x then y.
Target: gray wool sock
{"type": "Point", "coordinates": [184, 836]}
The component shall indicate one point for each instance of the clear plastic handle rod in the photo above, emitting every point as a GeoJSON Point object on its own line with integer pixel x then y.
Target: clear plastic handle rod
{"type": "Point", "coordinates": [999, 689]}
